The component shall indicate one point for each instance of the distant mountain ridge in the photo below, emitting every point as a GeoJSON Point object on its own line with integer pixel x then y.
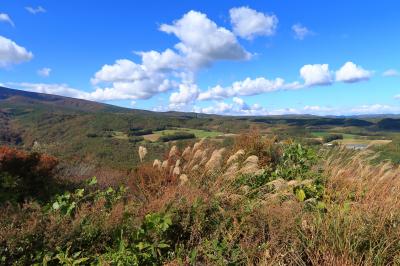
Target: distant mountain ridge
{"type": "Point", "coordinates": [26, 97]}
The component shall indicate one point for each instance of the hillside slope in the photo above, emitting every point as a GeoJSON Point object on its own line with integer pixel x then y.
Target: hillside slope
{"type": "Point", "coordinates": [61, 125]}
{"type": "Point", "coordinates": [86, 131]}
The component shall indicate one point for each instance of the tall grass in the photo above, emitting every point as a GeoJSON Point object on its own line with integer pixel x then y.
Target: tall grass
{"type": "Point", "coordinates": [297, 207]}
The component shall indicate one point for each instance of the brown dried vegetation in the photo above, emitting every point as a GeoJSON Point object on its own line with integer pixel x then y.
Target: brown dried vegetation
{"type": "Point", "coordinates": [338, 210]}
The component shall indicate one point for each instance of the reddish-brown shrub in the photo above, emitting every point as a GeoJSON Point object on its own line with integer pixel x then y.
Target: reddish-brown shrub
{"type": "Point", "coordinates": [26, 175]}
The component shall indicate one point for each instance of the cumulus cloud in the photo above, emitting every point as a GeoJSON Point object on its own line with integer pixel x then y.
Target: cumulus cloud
{"type": "Point", "coordinates": [136, 81]}
{"type": "Point", "coordinates": [300, 31]}
{"type": "Point", "coordinates": [187, 94]}
{"type": "Point", "coordinates": [313, 75]}
{"type": "Point", "coordinates": [11, 53]}
{"type": "Point", "coordinates": [247, 87]}
{"type": "Point", "coordinates": [202, 41]}
{"type": "Point", "coordinates": [218, 108]}
{"type": "Point", "coordinates": [44, 72]}
{"type": "Point", "coordinates": [317, 74]}
{"type": "Point", "coordinates": [6, 18]}
{"type": "Point", "coordinates": [122, 70]}
{"type": "Point", "coordinates": [164, 61]}
{"type": "Point", "coordinates": [391, 73]}
{"type": "Point", "coordinates": [237, 107]}
{"type": "Point", "coordinates": [351, 73]}
{"type": "Point", "coordinates": [248, 23]}
{"type": "Point", "coordinates": [35, 10]}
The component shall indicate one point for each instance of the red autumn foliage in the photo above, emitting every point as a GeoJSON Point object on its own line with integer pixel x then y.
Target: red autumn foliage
{"type": "Point", "coordinates": [25, 175]}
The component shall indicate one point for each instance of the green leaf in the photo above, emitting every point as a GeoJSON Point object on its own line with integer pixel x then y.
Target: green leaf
{"type": "Point", "coordinates": [56, 206]}
{"type": "Point", "coordinates": [163, 245]}
{"type": "Point", "coordinates": [301, 195]}
{"type": "Point", "coordinates": [79, 192]}
{"type": "Point", "coordinates": [92, 181]}
{"type": "Point", "coordinates": [142, 245]}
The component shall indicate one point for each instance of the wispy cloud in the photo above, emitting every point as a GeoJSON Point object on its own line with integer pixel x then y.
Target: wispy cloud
{"type": "Point", "coordinates": [44, 72]}
{"type": "Point", "coordinates": [391, 73]}
{"type": "Point", "coordinates": [301, 32]}
{"type": "Point", "coordinates": [36, 10]}
{"type": "Point", "coordinates": [6, 18]}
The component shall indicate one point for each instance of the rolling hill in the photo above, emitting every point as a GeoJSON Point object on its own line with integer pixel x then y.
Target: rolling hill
{"type": "Point", "coordinates": [86, 131]}
{"type": "Point", "coordinates": [65, 126]}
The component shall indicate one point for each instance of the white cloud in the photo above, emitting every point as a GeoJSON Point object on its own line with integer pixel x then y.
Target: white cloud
{"type": "Point", "coordinates": [317, 74]}
{"type": "Point", "coordinates": [248, 23]}
{"type": "Point", "coordinates": [374, 109]}
{"type": "Point", "coordinates": [256, 86]}
{"type": "Point", "coordinates": [237, 107]}
{"type": "Point", "coordinates": [136, 81]}
{"type": "Point", "coordinates": [284, 111]}
{"type": "Point", "coordinates": [351, 73]}
{"type": "Point", "coordinates": [300, 31]}
{"type": "Point", "coordinates": [216, 93]}
{"type": "Point", "coordinates": [165, 61]}
{"type": "Point", "coordinates": [355, 110]}
{"type": "Point", "coordinates": [238, 101]}
{"type": "Point", "coordinates": [161, 71]}
{"type": "Point", "coordinates": [202, 42]}
{"type": "Point", "coordinates": [247, 87]}
{"type": "Point", "coordinates": [187, 94]}
{"type": "Point", "coordinates": [121, 70]}
{"type": "Point", "coordinates": [6, 18]}
{"type": "Point", "coordinates": [11, 53]}
{"type": "Point", "coordinates": [391, 73]}
{"type": "Point", "coordinates": [218, 108]}
{"type": "Point", "coordinates": [44, 72]}
{"type": "Point", "coordinates": [109, 94]}
{"type": "Point", "coordinates": [36, 10]}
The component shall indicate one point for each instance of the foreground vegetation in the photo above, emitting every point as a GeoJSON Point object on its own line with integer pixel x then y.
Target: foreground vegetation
{"type": "Point", "coordinates": [260, 201]}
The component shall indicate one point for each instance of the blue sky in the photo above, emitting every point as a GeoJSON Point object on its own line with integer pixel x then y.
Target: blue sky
{"type": "Point", "coordinates": [225, 57]}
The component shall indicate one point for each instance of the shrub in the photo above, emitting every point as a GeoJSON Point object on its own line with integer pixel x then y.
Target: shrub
{"type": "Point", "coordinates": [92, 135]}
{"type": "Point", "coordinates": [264, 148]}
{"type": "Point", "coordinates": [177, 136]}
{"type": "Point", "coordinates": [296, 162]}
{"type": "Point", "coordinates": [25, 176]}
{"type": "Point", "coordinates": [331, 137]}
{"type": "Point", "coordinates": [135, 139]}
{"type": "Point", "coordinates": [140, 132]}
